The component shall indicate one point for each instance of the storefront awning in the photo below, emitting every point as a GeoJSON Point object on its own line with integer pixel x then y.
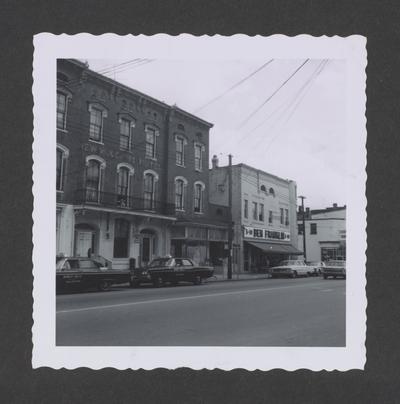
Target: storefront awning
{"type": "Point", "coordinates": [274, 248]}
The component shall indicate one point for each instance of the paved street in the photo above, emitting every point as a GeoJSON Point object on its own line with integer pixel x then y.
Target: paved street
{"type": "Point", "coordinates": [263, 312]}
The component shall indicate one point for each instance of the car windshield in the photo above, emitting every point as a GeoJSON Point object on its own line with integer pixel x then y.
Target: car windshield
{"type": "Point", "coordinates": [313, 263]}
{"type": "Point", "coordinates": [288, 262]}
{"type": "Point", "coordinates": [160, 262]}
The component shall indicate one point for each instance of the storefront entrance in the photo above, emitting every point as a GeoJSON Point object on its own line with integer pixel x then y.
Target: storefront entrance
{"type": "Point", "coordinates": [148, 246]}
{"type": "Point", "coordinates": [85, 240]}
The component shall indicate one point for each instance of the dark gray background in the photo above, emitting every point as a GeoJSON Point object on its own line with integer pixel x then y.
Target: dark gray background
{"type": "Point", "coordinates": [379, 22]}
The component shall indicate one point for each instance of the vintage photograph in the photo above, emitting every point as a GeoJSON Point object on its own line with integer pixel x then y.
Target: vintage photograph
{"type": "Point", "coordinates": [203, 195]}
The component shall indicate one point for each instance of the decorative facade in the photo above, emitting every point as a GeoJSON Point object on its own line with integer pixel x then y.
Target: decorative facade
{"type": "Point", "coordinates": [132, 177]}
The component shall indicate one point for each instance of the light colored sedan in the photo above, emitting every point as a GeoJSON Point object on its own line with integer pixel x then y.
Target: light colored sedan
{"type": "Point", "coordinates": [290, 269]}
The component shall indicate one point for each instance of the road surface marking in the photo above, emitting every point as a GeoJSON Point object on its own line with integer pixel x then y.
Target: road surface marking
{"type": "Point", "coordinates": [171, 299]}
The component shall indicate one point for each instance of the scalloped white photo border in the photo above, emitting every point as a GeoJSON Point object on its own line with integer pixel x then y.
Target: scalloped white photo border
{"type": "Point", "coordinates": [49, 47]}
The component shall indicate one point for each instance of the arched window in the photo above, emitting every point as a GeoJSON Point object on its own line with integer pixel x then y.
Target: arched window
{"type": "Point", "coordinates": [149, 190]}
{"type": "Point", "coordinates": [93, 174]}
{"type": "Point", "coordinates": [121, 238]}
{"type": "Point", "coordinates": [180, 185]}
{"type": "Point", "coordinates": [198, 196]}
{"type": "Point", "coordinates": [123, 187]}
{"type": "Point", "coordinates": [262, 188]}
{"type": "Point", "coordinates": [62, 155]}
{"type": "Point", "coordinates": [271, 191]}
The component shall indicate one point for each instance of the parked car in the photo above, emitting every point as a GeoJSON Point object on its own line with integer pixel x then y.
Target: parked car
{"type": "Point", "coordinates": [335, 269]}
{"type": "Point", "coordinates": [290, 268]}
{"type": "Point", "coordinates": [85, 273]}
{"type": "Point", "coordinates": [316, 267]}
{"type": "Point", "coordinates": [170, 270]}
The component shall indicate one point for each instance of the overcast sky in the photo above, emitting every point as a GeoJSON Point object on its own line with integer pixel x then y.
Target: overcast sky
{"type": "Point", "coordinates": [298, 134]}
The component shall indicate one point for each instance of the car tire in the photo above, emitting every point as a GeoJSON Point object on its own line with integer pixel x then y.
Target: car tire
{"type": "Point", "coordinates": [104, 286]}
{"type": "Point", "coordinates": [197, 280]}
{"type": "Point", "coordinates": [158, 282]}
{"type": "Point", "coordinates": [294, 274]}
{"type": "Point", "coordinates": [325, 277]}
{"type": "Point", "coordinates": [134, 284]}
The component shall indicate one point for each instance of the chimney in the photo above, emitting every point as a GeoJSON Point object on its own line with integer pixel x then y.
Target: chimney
{"type": "Point", "coordinates": [214, 161]}
{"type": "Point", "coordinates": [308, 216]}
{"type": "Point", "coordinates": [335, 205]}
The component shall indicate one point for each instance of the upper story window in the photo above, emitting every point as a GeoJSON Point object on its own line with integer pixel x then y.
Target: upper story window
{"type": "Point", "coordinates": [199, 188]}
{"type": "Point", "coordinates": [62, 155]}
{"type": "Point", "coordinates": [262, 188]}
{"type": "Point", "coordinates": [255, 211]}
{"type": "Point", "coordinates": [97, 115]}
{"type": "Point", "coordinates": [125, 137]}
{"type": "Point", "coordinates": [180, 142]}
{"type": "Point", "coordinates": [246, 209]}
{"type": "Point", "coordinates": [286, 217]}
{"type": "Point", "coordinates": [61, 110]}
{"type": "Point", "coordinates": [270, 217]}
{"type": "Point", "coordinates": [300, 229]}
{"type": "Point", "coordinates": [261, 213]}
{"type": "Point", "coordinates": [124, 173]}
{"type": "Point", "coordinates": [94, 168]}
{"type": "Point", "coordinates": [198, 156]}
{"type": "Point", "coordinates": [313, 228]}
{"type": "Point", "coordinates": [281, 215]}
{"type": "Point", "coordinates": [151, 141]}
{"type": "Point", "coordinates": [180, 184]}
{"type": "Point", "coordinates": [149, 188]}
{"type": "Point", "coordinates": [271, 191]}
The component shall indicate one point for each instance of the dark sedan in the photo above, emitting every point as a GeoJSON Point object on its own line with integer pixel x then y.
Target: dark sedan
{"type": "Point", "coordinates": [170, 270]}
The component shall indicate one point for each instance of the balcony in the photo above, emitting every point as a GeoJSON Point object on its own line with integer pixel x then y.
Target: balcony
{"type": "Point", "coordinates": [123, 202]}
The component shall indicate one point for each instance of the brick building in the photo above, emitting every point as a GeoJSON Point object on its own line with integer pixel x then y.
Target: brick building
{"type": "Point", "coordinates": [132, 173]}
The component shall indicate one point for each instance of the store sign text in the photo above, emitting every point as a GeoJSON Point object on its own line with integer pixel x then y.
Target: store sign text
{"type": "Point", "coordinates": [251, 232]}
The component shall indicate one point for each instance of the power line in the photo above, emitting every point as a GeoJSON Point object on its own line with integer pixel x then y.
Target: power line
{"type": "Point", "coordinates": [288, 105]}
{"type": "Point", "coordinates": [309, 84]}
{"type": "Point", "coordinates": [272, 95]}
{"type": "Point", "coordinates": [234, 86]}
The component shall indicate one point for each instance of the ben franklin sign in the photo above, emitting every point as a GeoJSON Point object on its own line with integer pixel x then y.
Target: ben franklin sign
{"type": "Point", "coordinates": [251, 232]}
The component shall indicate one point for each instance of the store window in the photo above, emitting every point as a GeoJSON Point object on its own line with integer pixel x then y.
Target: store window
{"type": "Point", "coordinates": [121, 238]}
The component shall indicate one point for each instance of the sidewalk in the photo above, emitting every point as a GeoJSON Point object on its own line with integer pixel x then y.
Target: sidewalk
{"type": "Point", "coordinates": [237, 277]}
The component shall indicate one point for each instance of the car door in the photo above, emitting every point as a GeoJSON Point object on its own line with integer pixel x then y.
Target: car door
{"type": "Point", "coordinates": [71, 273]}
{"type": "Point", "coordinates": [188, 268]}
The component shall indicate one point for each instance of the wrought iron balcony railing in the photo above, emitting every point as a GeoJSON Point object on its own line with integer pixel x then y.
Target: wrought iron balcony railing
{"type": "Point", "coordinates": [93, 197]}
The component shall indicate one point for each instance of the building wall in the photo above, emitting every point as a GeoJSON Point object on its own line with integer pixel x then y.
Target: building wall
{"type": "Point", "coordinates": [246, 185]}
{"type": "Point", "coordinates": [77, 220]}
{"type": "Point", "coordinates": [331, 233]}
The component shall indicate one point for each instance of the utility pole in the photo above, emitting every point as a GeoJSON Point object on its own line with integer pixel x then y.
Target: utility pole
{"type": "Point", "coordinates": [304, 227]}
{"type": "Point", "coordinates": [230, 230]}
